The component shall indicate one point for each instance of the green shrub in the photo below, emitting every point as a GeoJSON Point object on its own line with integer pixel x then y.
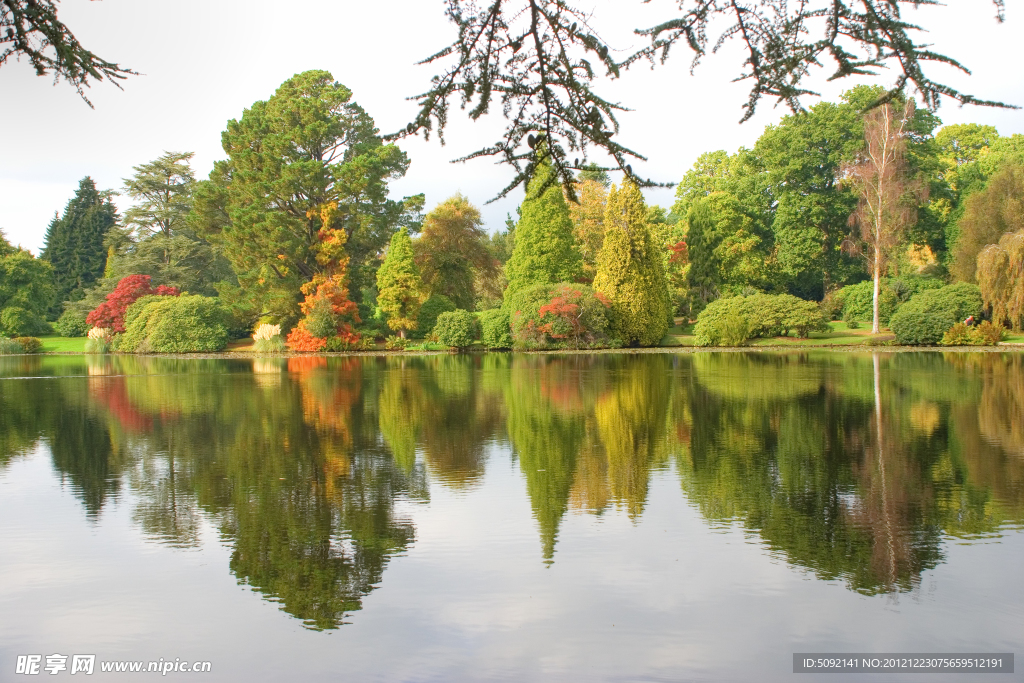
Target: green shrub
{"type": "Point", "coordinates": [344, 344]}
{"type": "Point", "coordinates": [457, 328]}
{"type": "Point", "coordinates": [928, 315]}
{"type": "Point", "coordinates": [10, 347]}
{"type": "Point", "coordinates": [396, 343]}
{"type": "Point", "coordinates": [30, 344]}
{"type": "Point", "coordinates": [72, 324]}
{"type": "Point", "coordinates": [16, 321]}
{"type": "Point", "coordinates": [916, 328]}
{"type": "Point", "coordinates": [857, 301]}
{"type": "Point", "coordinates": [431, 308]}
{"type": "Point", "coordinates": [733, 320]}
{"type": "Point", "coordinates": [991, 333]}
{"type": "Point", "coordinates": [496, 329]}
{"type": "Point", "coordinates": [559, 316]}
{"type": "Point", "coordinates": [174, 324]}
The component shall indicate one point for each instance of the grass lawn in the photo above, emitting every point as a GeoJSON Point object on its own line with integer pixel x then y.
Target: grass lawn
{"type": "Point", "coordinates": [55, 344]}
{"type": "Point", "coordinates": [840, 334]}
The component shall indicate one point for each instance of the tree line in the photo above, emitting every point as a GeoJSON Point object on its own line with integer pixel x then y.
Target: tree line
{"type": "Point", "coordinates": [296, 228]}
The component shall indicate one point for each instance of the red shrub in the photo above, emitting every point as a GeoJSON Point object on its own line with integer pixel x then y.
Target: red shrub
{"type": "Point", "coordinates": [130, 289]}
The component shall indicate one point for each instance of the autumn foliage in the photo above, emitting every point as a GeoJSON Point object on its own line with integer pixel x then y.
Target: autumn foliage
{"type": "Point", "coordinates": [129, 290]}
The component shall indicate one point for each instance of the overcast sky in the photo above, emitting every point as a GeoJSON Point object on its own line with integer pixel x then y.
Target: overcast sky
{"type": "Point", "coordinates": [203, 62]}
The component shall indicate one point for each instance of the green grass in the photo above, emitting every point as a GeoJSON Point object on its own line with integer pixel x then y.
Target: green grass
{"type": "Point", "coordinates": [55, 344]}
{"type": "Point", "coordinates": [839, 334]}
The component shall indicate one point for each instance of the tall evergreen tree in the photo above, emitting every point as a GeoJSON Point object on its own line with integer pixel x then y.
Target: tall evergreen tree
{"type": "Point", "coordinates": [74, 242]}
{"type": "Point", "coordinates": [630, 270]}
{"type": "Point", "coordinates": [545, 250]}
{"type": "Point", "coordinates": [399, 287]}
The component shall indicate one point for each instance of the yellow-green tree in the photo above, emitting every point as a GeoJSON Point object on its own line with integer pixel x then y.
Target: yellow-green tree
{"type": "Point", "coordinates": [588, 222]}
{"type": "Point", "coordinates": [399, 287]}
{"type": "Point", "coordinates": [630, 271]}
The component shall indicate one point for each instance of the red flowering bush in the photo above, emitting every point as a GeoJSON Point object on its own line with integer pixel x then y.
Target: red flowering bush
{"type": "Point", "coordinates": [130, 289]}
{"type": "Point", "coordinates": [559, 316]}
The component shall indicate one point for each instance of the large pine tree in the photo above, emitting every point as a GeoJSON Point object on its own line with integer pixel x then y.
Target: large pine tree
{"type": "Point", "coordinates": [399, 288]}
{"type": "Point", "coordinates": [74, 242]}
{"type": "Point", "coordinates": [630, 270]}
{"type": "Point", "coordinates": [545, 250]}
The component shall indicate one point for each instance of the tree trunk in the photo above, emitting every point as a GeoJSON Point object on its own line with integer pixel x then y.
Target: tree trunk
{"type": "Point", "coordinates": [874, 300]}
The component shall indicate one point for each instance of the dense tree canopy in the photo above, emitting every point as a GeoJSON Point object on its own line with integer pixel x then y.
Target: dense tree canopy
{"type": "Point", "coordinates": [452, 251]}
{"type": "Point", "coordinates": [75, 241]}
{"type": "Point", "coordinates": [545, 251]}
{"type": "Point", "coordinates": [307, 147]}
{"type": "Point", "coordinates": [399, 286]}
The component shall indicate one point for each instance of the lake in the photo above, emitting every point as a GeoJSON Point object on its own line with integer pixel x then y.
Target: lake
{"type": "Point", "coordinates": [576, 517]}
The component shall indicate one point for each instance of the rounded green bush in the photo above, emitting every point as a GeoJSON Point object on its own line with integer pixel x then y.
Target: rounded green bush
{"type": "Point", "coordinates": [496, 329]}
{"type": "Point", "coordinates": [732, 321]}
{"type": "Point", "coordinates": [72, 324]}
{"type": "Point", "coordinates": [920, 328]}
{"type": "Point", "coordinates": [431, 308]}
{"type": "Point", "coordinates": [174, 324]}
{"type": "Point", "coordinates": [456, 328]}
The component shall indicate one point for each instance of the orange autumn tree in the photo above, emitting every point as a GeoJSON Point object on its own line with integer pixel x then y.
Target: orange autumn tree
{"type": "Point", "coordinates": [328, 313]}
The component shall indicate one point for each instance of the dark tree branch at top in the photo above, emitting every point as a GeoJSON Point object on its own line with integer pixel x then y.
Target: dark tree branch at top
{"type": "Point", "coordinates": [539, 59]}
{"type": "Point", "coordinates": [30, 29]}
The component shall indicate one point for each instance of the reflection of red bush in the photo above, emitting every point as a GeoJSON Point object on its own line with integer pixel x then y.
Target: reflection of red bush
{"type": "Point", "coordinates": [112, 393]}
{"type": "Point", "coordinates": [130, 289]}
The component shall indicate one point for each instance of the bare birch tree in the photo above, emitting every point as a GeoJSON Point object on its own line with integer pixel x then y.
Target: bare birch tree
{"type": "Point", "coordinates": [889, 196]}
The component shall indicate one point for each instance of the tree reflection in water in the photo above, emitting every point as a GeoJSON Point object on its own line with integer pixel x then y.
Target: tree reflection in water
{"type": "Point", "coordinates": [852, 466]}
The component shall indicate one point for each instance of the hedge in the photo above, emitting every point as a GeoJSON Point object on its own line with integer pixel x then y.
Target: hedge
{"type": "Point", "coordinates": [734, 320]}
{"type": "Point", "coordinates": [431, 308]}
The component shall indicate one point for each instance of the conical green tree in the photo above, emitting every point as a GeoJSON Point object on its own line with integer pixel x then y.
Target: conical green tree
{"type": "Point", "coordinates": [399, 287]}
{"type": "Point", "coordinates": [630, 270]}
{"type": "Point", "coordinates": [545, 251]}
{"type": "Point", "coordinates": [74, 242]}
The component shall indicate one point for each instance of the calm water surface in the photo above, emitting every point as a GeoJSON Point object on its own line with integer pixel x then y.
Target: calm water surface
{"type": "Point", "coordinates": [651, 517]}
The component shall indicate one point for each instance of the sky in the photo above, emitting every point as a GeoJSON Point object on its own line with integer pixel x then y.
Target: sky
{"type": "Point", "coordinates": [202, 62]}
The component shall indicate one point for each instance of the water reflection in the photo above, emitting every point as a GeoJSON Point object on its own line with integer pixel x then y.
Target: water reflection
{"type": "Point", "coordinates": [852, 466]}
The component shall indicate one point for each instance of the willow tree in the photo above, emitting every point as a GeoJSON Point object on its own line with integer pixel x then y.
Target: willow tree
{"type": "Point", "coordinates": [988, 214]}
{"type": "Point", "coordinates": [888, 195]}
{"type": "Point", "coordinates": [1001, 279]}
{"type": "Point", "coordinates": [630, 271]}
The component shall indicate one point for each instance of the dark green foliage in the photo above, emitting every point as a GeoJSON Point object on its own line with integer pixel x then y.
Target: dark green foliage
{"type": "Point", "coordinates": [174, 324]}
{"type": "Point", "coordinates": [30, 344]}
{"type": "Point", "coordinates": [457, 328]}
{"type": "Point", "coordinates": [733, 320]}
{"type": "Point", "coordinates": [856, 301]}
{"type": "Point", "coordinates": [431, 308]}
{"type": "Point", "coordinates": [16, 321]}
{"type": "Point", "coordinates": [75, 242]}
{"type": "Point", "coordinates": [304, 150]}
{"type": "Point", "coordinates": [496, 329]}
{"type": "Point", "coordinates": [545, 250]}
{"type": "Point", "coordinates": [928, 315]}
{"type": "Point", "coordinates": [560, 316]}
{"type": "Point", "coordinates": [71, 324]}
